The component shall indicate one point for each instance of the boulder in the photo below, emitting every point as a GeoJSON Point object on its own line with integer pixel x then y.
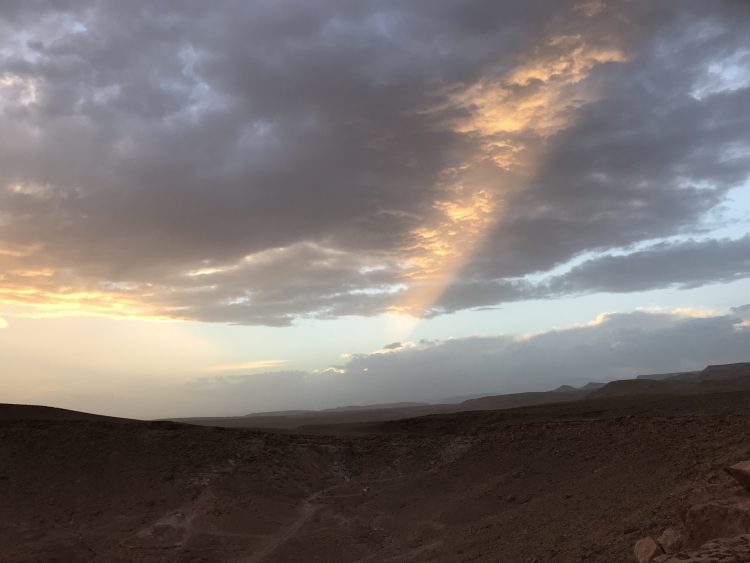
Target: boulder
{"type": "Point", "coordinates": [741, 473]}
{"type": "Point", "coordinates": [671, 540]}
{"type": "Point", "coordinates": [725, 550]}
{"type": "Point", "coordinates": [646, 549]}
{"type": "Point", "coordinates": [717, 519]}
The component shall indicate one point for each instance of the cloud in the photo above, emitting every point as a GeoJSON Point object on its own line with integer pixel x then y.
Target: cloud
{"type": "Point", "coordinates": [686, 264]}
{"type": "Point", "coordinates": [615, 345]}
{"type": "Point", "coordinates": [681, 264]}
{"type": "Point", "coordinates": [249, 365]}
{"type": "Point", "coordinates": [3, 323]}
{"type": "Point", "coordinates": [261, 162]}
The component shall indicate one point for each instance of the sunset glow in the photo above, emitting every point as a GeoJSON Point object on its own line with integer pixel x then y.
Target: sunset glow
{"type": "Point", "coordinates": [288, 196]}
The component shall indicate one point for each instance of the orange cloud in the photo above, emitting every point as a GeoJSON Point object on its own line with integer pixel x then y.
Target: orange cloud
{"type": "Point", "coordinates": [40, 293]}
{"type": "Point", "coordinates": [511, 115]}
{"type": "Point", "coordinates": [249, 365]}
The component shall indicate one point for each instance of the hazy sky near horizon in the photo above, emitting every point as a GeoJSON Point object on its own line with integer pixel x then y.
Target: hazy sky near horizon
{"type": "Point", "coordinates": [211, 208]}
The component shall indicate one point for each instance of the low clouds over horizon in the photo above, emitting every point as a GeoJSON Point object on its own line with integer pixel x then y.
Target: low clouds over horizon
{"type": "Point", "coordinates": [613, 346]}
{"type": "Point", "coordinates": [257, 163]}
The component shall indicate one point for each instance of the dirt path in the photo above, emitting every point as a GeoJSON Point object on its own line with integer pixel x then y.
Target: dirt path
{"type": "Point", "coordinates": [288, 532]}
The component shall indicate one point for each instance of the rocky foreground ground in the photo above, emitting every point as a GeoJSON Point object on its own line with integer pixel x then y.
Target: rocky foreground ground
{"type": "Point", "coordinates": [580, 481]}
{"type": "Point", "coordinates": [713, 526]}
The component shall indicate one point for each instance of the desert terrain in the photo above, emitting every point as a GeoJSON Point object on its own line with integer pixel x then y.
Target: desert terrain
{"type": "Point", "coordinates": [579, 480]}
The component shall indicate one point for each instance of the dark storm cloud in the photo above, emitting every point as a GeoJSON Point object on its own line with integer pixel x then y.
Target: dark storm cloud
{"type": "Point", "coordinates": [143, 142]}
{"type": "Point", "coordinates": [204, 134]}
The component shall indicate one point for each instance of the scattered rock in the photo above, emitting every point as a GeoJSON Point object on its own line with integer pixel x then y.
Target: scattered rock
{"type": "Point", "coordinates": [671, 540]}
{"type": "Point", "coordinates": [646, 549]}
{"type": "Point", "coordinates": [741, 473]}
{"type": "Point", "coordinates": [726, 550]}
{"type": "Point", "coordinates": [717, 519]}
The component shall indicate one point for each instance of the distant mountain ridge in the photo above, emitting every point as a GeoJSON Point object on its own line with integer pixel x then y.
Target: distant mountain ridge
{"type": "Point", "coordinates": [712, 379]}
{"type": "Point", "coordinates": [726, 371]}
{"type": "Point", "coordinates": [671, 375]}
{"type": "Point", "coordinates": [715, 378]}
{"type": "Point", "coordinates": [514, 400]}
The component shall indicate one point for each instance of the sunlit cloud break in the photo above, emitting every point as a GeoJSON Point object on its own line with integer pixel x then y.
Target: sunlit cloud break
{"type": "Point", "coordinates": [248, 365]}
{"type": "Point", "coordinates": [412, 181]}
{"type": "Point", "coordinates": [511, 116]}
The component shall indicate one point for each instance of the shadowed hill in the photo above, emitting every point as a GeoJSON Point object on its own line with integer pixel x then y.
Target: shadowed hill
{"type": "Point", "coordinates": [640, 387]}
{"type": "Point", "coordinates": [573, 481]}
{"type": "Point", "coordinates": [713, 379]}
{"type": "Point", "coordinates": [514, 400]}
{"type": "Point", "coordinates": [725, 371]}
{"type": "Point", "coordinates": [10, 411]}
{"type": "Point", "coordinates": [295, 419]}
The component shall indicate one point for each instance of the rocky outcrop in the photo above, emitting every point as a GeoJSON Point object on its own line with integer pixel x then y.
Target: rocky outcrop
{"type": "Point", "coordinates": [716, 531]}
{"type": "Point", "coordinates": [671, 540]}
{"type": "Point", "coordinates": [646, 549]}
{"type": "Point", "coordinates": [649, 549]}
{"type": "Point", "coordinates": [724, 518]}
{"type": "Point", "coordinates": [725, 550]}
{"type": "Point", "coordinates": [741, 473]}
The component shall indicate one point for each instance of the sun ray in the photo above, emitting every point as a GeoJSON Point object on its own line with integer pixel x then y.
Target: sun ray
{"type": "Point", "coordinates": [510, 116]}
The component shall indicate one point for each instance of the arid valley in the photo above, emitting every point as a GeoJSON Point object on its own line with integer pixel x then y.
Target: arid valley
{"type": "Point", "coordinates": [374, 281]}
{"type": "Point", "coordinates": [581, 480]}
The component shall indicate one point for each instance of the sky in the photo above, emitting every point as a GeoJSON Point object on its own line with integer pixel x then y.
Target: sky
{"type": "Point", "coordinates": [215, 208]}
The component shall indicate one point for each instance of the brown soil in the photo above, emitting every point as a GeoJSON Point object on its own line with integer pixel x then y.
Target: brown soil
{"type": "Point", "coordinates": [577, 481]}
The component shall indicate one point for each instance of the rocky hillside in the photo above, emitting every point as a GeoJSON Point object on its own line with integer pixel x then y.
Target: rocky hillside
{"type": "Point", "coordinates": [714, 525]}
{"type": "Point", "coordinates": [578, 481]}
